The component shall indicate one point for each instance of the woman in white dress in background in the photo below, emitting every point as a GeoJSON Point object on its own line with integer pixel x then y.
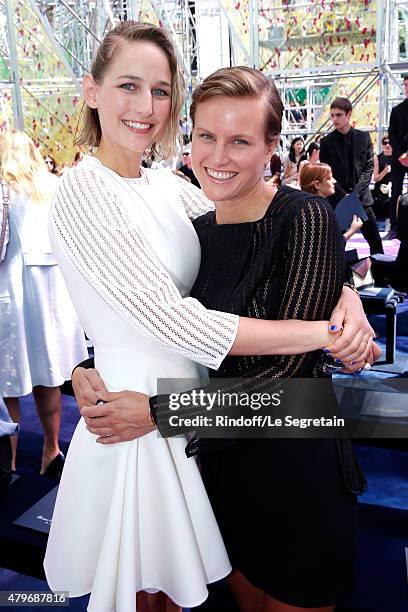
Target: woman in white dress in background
{"type": "Point", "coordinates": [133, 517]}
{"type": "Point", "coordinates": [40, 335]}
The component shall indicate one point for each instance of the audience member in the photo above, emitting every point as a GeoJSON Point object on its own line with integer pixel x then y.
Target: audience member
{"type": "Point", "coordinates": [398, 133]}
{"type": "Point", "coordinates": [349, 153]}
{"type": "Point", "coordinates": [291, 162]}
{"type": "Point", "coordinates": [275, 168]}
{"type": "Point", "coordinates": [312, 155]}
{"type": "Point", "coordinates": [41, 339]}
{"type": "Point", "coordinates": [382, 178]}
{"type": "Point", "coordinates": [187, 168]}
{"type": "Point", "coordinates": [185, 129]}
{"type": "Point", "coordinates": [318, 179]}
{"type": "Point", "coordinates": [402, 257]}
{"type": "Point", "coordinates": [51, 165]}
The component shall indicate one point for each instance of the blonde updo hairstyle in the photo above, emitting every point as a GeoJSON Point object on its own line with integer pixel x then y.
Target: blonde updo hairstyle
{"type": "Point", "coordinates": [312, 173]}
{"type": "Point", "coordinates": [127, 32]}
{"type": "Point", "coordinates": [22, 167]}
{"type": "Point", "coordinates": [243, 82]}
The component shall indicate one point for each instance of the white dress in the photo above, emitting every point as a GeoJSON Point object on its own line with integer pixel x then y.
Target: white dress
{"type": "Point", "coordinates": [135, 515]}
{"type": "Point", "coordinates": [41, 339]}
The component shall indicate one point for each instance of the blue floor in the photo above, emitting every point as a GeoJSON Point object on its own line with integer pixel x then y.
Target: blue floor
{"type": "Point", "coordinates": [382, 584]}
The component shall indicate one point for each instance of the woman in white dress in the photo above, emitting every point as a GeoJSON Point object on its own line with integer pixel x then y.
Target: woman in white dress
{"type": "Point", "coordinates": [40, 335]}
{"type": "Point", "coordinates": [133, 518]}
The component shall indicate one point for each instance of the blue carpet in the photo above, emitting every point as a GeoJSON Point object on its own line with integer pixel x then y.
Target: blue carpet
{"type": "Point", "coordinates": [387, 476]}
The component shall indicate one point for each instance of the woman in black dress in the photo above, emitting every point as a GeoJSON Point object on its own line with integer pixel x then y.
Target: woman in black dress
{"type": "Point", "coordinates": [286, 508]}
{"type": "Point", "coordinates": [382, 179]}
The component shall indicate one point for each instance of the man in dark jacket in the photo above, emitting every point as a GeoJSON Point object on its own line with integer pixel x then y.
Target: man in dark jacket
{"type": "Point", "coordinates": [349, 153]}
{"type": "Point", "coordinates": [398, 134]}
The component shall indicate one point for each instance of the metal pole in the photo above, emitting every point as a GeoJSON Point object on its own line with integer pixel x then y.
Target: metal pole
{"type": "Point", "coordinates": [253, 33]}
{"type": "Point", "coordinates": [15, 76]}
{"type": "Point", "coordinates": [56, 44]}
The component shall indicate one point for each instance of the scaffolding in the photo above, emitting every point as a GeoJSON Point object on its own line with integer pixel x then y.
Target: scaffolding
{"type": "Point", "coordinates": [313, 49]}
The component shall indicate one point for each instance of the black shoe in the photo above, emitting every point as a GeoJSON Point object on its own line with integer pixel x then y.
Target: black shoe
{"type": "Point", "coordinates": [391, 235]}
{"type": "Point", "coordinates": [54, 470]}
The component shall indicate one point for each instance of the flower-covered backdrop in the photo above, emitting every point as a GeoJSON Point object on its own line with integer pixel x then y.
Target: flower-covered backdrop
{"type": "Point", "coordinates": [292, 35]}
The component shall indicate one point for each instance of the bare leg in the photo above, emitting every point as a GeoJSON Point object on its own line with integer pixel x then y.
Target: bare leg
{"type": "Point", "coordinates": [13, 407]}
{"type": "Point", "coordinates": [273, 605]}
{"type": "Point", "coordinates": [249, 598]}
{"type": "Point", "coordinates": [48, 402]}
{"type": "Point", "coordinates": [252, 599]}
{"type": "Point", "coordinates": [155, 602]}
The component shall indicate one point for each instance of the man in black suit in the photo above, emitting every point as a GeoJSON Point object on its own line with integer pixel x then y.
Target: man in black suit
{"type": "Point", "coordinates": [349, 153]}
{"type": "Point", "coordinates": [398, 134]}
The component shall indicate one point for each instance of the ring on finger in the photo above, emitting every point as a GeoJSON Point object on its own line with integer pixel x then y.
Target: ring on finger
{"type": "Point", "coordinates": [108, 435]}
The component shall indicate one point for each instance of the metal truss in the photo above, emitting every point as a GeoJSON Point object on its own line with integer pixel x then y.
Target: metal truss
{"type": "Point", "coordinates": [281, 37]}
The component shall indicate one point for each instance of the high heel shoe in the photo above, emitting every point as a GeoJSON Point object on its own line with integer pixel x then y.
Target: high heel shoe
{"type": "Point", "coordinates": [54, 470]}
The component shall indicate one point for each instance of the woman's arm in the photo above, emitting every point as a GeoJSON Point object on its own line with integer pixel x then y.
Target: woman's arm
{"type": "Point", "coordinates": [289, 169]}
{"type": "Point", "coordinates": [377, 175]}
{"type": "Point", "coordinates": [92, 229]}
{"type": "Point", "coordinates": [355, 226]}
{"type": "Point", "coordinates": [310, 291]}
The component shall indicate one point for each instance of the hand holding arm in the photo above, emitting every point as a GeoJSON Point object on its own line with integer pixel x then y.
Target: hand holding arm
{"type": "Point", "coordinates": [355, 343]}
{"type": "Point", "coordinates": [125, 416]}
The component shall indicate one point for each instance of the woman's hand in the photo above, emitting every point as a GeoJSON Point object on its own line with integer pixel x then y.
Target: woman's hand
{"type": "Point", "coordinates": [88, 387]}
{"type": "Point", "coordinates": [356, 224]}
{"type": "Point", "coordinates": [125, 416]}
{"type": "Point", "coordinates": [356, 342]}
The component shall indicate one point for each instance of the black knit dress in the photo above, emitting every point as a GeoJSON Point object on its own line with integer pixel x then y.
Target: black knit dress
{"type": "Point", "coordinates": [285, 511]}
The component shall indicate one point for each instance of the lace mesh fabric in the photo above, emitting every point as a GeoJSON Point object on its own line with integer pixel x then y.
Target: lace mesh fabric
{"type": "Point", "coordinates": [294, 269]}
{"type": "Point", "coordinates": [92, 226]}
{"type": "Point", "coordinates": [291, 267]}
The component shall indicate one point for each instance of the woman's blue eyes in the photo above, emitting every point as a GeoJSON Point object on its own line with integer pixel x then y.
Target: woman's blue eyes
{"type": "Point", "coordinates": [237, 141]}
{"type": "Point", "coordinates": [127, 86]}
{"type": "Point", "coordinates": [160, 93]}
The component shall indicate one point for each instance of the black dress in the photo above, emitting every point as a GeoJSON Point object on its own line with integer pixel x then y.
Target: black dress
{"type": "Point", "coordinates": [381, 192]}
{"type": "Point", "coordinates": [285, 512]}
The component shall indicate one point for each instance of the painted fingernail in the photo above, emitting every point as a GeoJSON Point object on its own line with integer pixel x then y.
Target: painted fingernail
{"type": "Point", "coordinates": [333, 327]}
{"type": "Point", "coordinates": [326, 350]}
{"type": "Point", "coordinates": [338, 361]}
{"type": "Point", "coordinates": [353, 362]}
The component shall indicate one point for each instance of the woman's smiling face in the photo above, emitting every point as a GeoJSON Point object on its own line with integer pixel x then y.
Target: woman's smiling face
{"type": "Point", "coordinates": [229, 151]}
{"type": "Point", "coordinates": [134, 98]}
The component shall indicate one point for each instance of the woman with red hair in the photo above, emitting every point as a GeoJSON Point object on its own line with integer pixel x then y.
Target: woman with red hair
{"type": "Point", "coordinates": [318, 179]}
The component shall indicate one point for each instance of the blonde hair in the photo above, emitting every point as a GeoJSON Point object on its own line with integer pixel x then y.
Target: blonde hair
{"type": "Point", "coordinates": [243, 82]}
{"type": "Point", "coordinates": [312, 172]}
{"type": "Point", "coordinates": [23, 168]}
{"type": "Point", "coordinates": [90, 132]}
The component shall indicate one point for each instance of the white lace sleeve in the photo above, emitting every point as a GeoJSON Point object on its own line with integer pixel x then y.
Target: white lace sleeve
{"type": "Point", "coordinates": [93, 230]}
{"type": "Point", "coordinates": [194, 201]}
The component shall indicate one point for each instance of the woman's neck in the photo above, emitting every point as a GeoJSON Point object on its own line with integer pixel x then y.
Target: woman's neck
{"type": "Point", "coordinates": [251, 207]}
{"type": "Point", "coordinates": [114, 159]}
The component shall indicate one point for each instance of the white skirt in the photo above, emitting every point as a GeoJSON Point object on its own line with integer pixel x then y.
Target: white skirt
{"type": "Point", "coordinates": [129, 517]}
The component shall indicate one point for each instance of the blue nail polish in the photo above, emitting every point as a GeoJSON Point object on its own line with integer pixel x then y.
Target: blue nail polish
{"type": "Point", "coordinates": [338, 360]}
{"type": "Point", "coordinates": [326, 350]}
{"type": "Point", "coordinates": [353, 362]}
{"type": "Point", "coordinates": [333, 327]}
